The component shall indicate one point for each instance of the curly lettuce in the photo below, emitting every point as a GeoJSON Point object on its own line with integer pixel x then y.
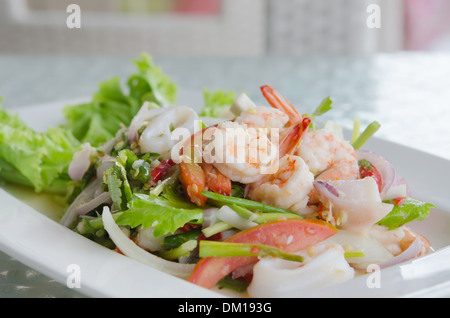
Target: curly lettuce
{"type": "Point", "coordinates": [41, 160]}
{"type": "Point", "coordinates": [35, 159]}
{"type": "Point", "coordinates": [216, 103]}
{"type": "Point", "coordinates": [112, 106]}
{"type": "Point", "coordinates": [166, 213]}
{"type": "Point", "coordinates": [410, 210]}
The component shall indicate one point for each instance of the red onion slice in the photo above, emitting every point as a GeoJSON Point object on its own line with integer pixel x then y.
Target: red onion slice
{"type": "Point", "coordinates": [411, 252]}
{"type": "Point", "coordinates": [385, 168]}
{"type": "Point", "coordinates": [90, 198]}
{"type": "Point", "coordinates": [418, 247]}
{"type": "Point", "coordinates": [398, 181]}
{"type": "Point", "coordinates": [81, 162]}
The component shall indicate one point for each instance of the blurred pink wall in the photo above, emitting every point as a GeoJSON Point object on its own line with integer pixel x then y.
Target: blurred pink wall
{"type": "Point", "coordinates": [198, 6]}
{"type": "Point", "coordinates": [426, 22]}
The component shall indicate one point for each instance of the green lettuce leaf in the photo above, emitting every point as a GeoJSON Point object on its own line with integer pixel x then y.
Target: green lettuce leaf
{"type": "Point", "coordinates": [410, 210]}
{"type": "Point", "coordinates": [117, 182]}
{"type": "Point", "coordinates": [32, 158]}
{"type": "Point", "coordinates": [217, 102]}
{"type": "Point", "coordinates": [166, 215]}
{"type": "Point", "coordinates": [151, 84]}
{"type": "Point", "coordinates": [40, 160]}
{"type": "Point", "coordinates": [98, 120]}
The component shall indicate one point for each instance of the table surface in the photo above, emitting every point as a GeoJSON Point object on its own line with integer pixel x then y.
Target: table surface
{"type": "Point", "coordinates": [408, 93]}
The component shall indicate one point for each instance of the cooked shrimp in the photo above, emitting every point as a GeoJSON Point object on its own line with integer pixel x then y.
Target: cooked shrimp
{"type": "Point", "coordinates": [292, 137]}
{"type": "Point", "coordinates": [196, 178]}
{"type": "Point", "coordinates": [288, 188]}
{"type": "Point", "coordinates": [216, 181]}
{"type": "Point", "coordinates": [398, 240]}
{"type": "Point", "coordinates": [263, 117]}
{"type": "Point", "coordinates": [241, 153]}
{"type": "Point", "coordinates": [193, 181]}
{"type": "Point", "coordinates": [328, 156]}
{"type": "Point", "coordinates": [388, 238]}
{"type": "Point", "coordinates": [279, 102]}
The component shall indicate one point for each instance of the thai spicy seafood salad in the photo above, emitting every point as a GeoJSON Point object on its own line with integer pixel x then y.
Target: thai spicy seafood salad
{"type": "Point", "coordinates": [262, 199]}
{"type": "Point", "coordinates": [259, 198]}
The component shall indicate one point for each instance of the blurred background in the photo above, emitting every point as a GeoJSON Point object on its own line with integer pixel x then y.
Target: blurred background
{"type": "Point", "coordinates": [346, 48]}
{"type": "Point", "coordinates": [223, 27]}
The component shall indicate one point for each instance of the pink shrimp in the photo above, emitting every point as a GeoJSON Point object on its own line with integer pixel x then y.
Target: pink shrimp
{"type": "Point", "coordinates": [198, 177]}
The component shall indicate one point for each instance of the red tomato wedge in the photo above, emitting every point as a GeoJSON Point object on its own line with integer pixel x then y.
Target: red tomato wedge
{"type": "Point", "coordinates": [288, 235]}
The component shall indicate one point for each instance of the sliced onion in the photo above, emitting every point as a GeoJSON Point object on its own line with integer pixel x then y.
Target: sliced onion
{"type": "Point", "coordinates": [229, 216]}
{"type": "Point", "coordinates": [105, 163]}
{"type": "Point", "coordinates": [411, 252]}
{"type": "Point", "coordinates": [393, 185]}
{"type": "Point", "coordinates": [399, 181]}
{"type": "Point", "coordinates": [81, 162]}
{"type": "Point", "coordinates": [103, 197]}
{"type": "Point", "coordinates": [383, 166]}
{"type": "Point", "coordinates": [148, 241]}
{"type": "Point", "coordinates": [209, 217]}
{"type": "Point", "coordinates": [130, 249]}
{"type": "Point", "coordinates": [356, 203]}
{"type": "Point", "coordinates": [90, 198]}
{"type": "Point", "coordinates": [418, 247]}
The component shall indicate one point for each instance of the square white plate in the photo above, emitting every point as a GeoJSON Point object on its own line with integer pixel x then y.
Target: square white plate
{"type": "Point", "coordinates": [29, 232]}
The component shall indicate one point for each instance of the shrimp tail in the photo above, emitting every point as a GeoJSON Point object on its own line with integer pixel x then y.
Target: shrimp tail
{"type": "Point", "coordinates": [279, 102]}
{"type": "Point", "coordinates": [291, 142]}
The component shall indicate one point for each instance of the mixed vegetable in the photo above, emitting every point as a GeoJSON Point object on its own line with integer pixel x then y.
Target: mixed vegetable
{"type": "Point", "coordinates": [317, 211]}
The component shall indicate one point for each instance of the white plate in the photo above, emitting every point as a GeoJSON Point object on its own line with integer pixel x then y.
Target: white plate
{"type": "Point", "coordinates": [30, 233]}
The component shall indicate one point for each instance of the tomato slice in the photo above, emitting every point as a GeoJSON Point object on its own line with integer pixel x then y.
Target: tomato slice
{"type": "Point", "coordinates": [289, 235]}
{"type": "Point", "coordinates": [366, 169]}
{"type": "Point", "coordinates": [161, 170]}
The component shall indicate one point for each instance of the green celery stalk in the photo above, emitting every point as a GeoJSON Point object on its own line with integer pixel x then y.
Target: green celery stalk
{"type": "Point", "coordinates": [183, 250]}
{"type": "Point", "coordinates": [227, 249]}
{"type": "Point", "coordinates": [270, 217]}
{"type": "Point", "coordinates": [356, 129]}
{"type": "Point", "coordinates": [264, 217]}
{"type": "Point", "coordinates": [249, 204]}
{"type": "Point", "coordinates": [366, 134]}
{"type": "Point", "coordinates": [216, 228]}
{"type": "Point", "coordinates": [249, 215]}
{"type": "Point", "coordinates": [354, 254]}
